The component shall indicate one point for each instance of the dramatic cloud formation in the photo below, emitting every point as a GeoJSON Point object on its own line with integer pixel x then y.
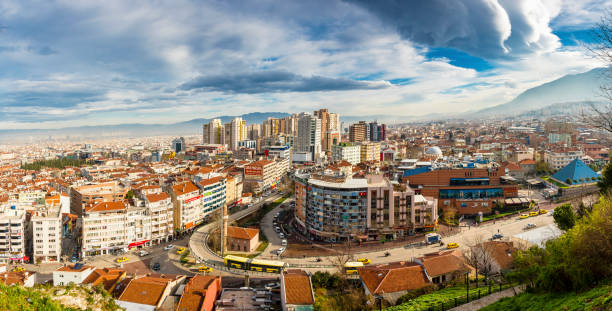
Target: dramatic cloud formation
{"type": "Point", "coordinates": [275, 81]}
{"type": "Point", "coordinates": [485, 28]}
{"type": "Point", "coordinates": [89, 62]}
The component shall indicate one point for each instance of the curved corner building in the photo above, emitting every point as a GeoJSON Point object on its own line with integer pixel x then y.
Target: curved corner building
{"type": "Point", "coordinates": [337, 208]}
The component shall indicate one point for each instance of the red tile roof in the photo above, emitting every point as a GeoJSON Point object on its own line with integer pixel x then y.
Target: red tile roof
{"type": "Point", "coordinates": [298, 289]}
{"type": "Point", "coordinates": [241, 233]}
{"type": "Point", "coordinates": [395, 277]}
{"type": "Point", "coordinates": [106, 207]}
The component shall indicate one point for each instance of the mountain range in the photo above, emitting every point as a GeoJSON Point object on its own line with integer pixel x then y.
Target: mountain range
{"type": "Point", "coordinates": [564, 96]}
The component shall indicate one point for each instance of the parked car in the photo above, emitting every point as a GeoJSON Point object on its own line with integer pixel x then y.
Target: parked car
{"type": "Point", "coordinates": [529, 226]}
{"type": "Point", "coordinates": [180, 250]}
{"type": "Point", "coordinates": [18, 269]}
{"type": "Point", "coordinates": [280, 251]}
{"type": "Point", "coordinates": [452, 245]}
{"type": "Point", "coordinates": [273, 285]}
{"type": "Point", "coordinates": [543, 211]}
{"type": "Point", "coordinates": [122, 259]}
{"type": "Point", "coordinates": [497, 236]}
{"type": "Point", "coordinates": [531, 214]}
{"type": "Point", "coordinates": [205, 269]}
{"type": "Point", "coordinates": [143, 253]}
{"type": "Point", "coordinates": [284, 242]}
{"type": "Point", "coordinates": [523, 216]}
{"type": "Point", "coordinates": [281, 235]}
{"type": "Point", "coordinates": [156, 266]}
{"type": "Point", "coordinates": [168, 247]}
{"type": "Point", "coordinates": [277, 229]}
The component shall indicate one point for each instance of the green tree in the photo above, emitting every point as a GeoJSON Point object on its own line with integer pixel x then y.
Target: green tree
{"type": "Point", "coordinates": [542, 167]}
{"type": "Point", "coordinates": [564, 216]}
{"type": "Point", "coordinates": [568, 181]}
{"type": "Point", "coordinates": [605, 181]}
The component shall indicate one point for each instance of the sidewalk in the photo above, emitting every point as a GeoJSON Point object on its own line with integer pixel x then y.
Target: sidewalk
{"type": "Point", "coordinates": [490, 299]}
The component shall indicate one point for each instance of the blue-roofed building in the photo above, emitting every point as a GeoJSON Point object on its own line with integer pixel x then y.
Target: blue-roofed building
{"type": "Point", "coordinates": [576, 172]}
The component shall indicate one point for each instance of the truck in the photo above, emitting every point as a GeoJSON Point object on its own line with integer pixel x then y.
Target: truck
{"type": "Point", "coordinates": [432, 238]}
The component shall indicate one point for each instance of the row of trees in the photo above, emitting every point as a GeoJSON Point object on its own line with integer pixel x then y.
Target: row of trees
{"type": "Point", "coordinates": [54, 163]}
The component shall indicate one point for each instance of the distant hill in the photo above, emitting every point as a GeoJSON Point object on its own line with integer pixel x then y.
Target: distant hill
{"type": "Point", "coordinates": [570, 89]}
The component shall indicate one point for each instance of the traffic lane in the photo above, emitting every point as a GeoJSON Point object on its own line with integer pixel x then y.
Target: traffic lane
{"type": "Point", "coordinates": [273, 237]}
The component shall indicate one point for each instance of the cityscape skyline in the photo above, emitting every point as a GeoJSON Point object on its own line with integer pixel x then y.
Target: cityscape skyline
{"type": "Point", "coordinates": [114, 63]}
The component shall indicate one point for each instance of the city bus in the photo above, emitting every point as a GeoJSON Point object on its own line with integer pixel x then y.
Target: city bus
{"type": "Point", "coordinates": [259, 265]}
{"type": "Point", "coordinates": [351, 267]}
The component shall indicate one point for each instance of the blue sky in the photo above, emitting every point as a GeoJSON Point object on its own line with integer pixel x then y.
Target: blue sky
{"type": "Point", "coordinates": [66, 63]}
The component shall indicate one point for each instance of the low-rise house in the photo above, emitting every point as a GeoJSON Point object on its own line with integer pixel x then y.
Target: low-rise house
{"type": "Point", "coordinates": [243, 299]}
{"type": "Point", "coordinates": [500, 255]}
{"type": "Point", "coordinates": [200, 294]}
{"type": "Point", "coordinates": [147, 293]}
{"type": "Point", "coordinates": [242, 239]}
{"type": "Point", "coordinates": [23, 278]}
{"type": "Point", "coordinates": [296, 291]}
{"type": "Point", "coordinates": [109, 278]}
{"type": "Point", "coordinates": [76, 274]}
{"type": "Point", "coordinates": [444, 266]}
{"type": "Point", "coordinates": [393, 280]}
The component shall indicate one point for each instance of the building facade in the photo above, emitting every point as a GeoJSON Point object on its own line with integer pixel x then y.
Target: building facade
{"type": "Point", "coordinates": [347, 152]}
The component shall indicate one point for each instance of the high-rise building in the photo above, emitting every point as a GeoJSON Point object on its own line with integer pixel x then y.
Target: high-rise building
{"type": "Point", "coordinates": [178, 144]}
{"type": "Point", "coordinates": [213, 132]}
{"type": "Point", "coordinates": [235, 131]}
{"type": "Point", "coordinates": [358, 132]}
{"type": "Point", "coordinates": [253, 131]}
{"type": "Point", "coordinates": [323, 115]}
{"type": "Point", "coordinates": [308, 141]}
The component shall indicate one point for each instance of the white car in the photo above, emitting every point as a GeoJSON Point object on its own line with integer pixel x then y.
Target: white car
{"type": "Point", "coordinates": [284, 242]}
{"type": "Point", "coordinates": [143, 253]}
{"type": "Point", "coordinates": [281, 235]}
{"type": "Point", "coordinates": [280, 251]}
{"type": "Point", "coordinates": [168, 247]}
{"type": "Point", "coordinates": [277, 229]}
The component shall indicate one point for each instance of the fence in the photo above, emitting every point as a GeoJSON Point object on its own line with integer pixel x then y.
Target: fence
{"type": "Point", "coordinates": [473, 295]}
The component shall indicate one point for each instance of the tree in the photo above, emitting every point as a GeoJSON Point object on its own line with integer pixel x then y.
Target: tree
{"type": "Point", "coordinates": [605, 183]}
{"type": "Point", "coordinates": [564, 216]}
{"type": "Point", "coordinates": [478, 255]}
{"type": "Point", "coordinates": [568, 181]}
{"type": "Point", "coordinates": [600, 116]}
{"type": "Point", "coordinates": [542, 167]}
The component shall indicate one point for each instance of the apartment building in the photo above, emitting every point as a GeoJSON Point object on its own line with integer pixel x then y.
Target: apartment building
{"type": "Point", "coordinates": [233, 189]}
{"type": "Point", "coordinates": [46, 234]}
{"type": "Point", "coordinates": [187, 201]}
{"type": "Point", "coordinates": [12, 233]}
{"type": "Point", "coordinates": [161, 211]}
{"type": "Point", "coordinates": [336, 207]}
{"type": "Point", "coordinates": [262, 175]}
{"type": "Point", "coordinates": [370, 152]}
{"type": "Point", "coordinates": [110, 226]}
{"type": "Point", "coordinates": [348, 152]}
{"type": "Point", "coordinates": [308, 142]}
{"type": "Point", "coordinates": [213, 189]}
{"type": "Point", "coordinates": [213, 132]}
{"type": "Point", "coordinates": [358, 132]}
{"type": "Point", "coordinates": [561, 157]}
{"type": "Point", "coordinates": [102, 192]}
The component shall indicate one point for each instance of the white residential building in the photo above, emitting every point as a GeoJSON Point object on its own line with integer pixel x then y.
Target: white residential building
{"type": "Point", "coordinates": [308, 143]}
{"type": "Point", "coordinates": [187, 201]}
{"type": "Point", "coordinates": [109, 226]}
{"type": "Point", "coordinates": [46, 234]}
{"type": "Point", "coordinates": [346, 152]}
{"type": "Point", "coordinates": [75, 274]}
{"type": "Point", "coordinates": [162, 222]}
{"type": "Point", "coordinates": [12, 233]}
{"type": "Point", "coordinates": [559, 158]}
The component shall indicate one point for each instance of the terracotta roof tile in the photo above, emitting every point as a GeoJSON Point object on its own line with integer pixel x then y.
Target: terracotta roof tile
{"type": "Point", "coordinates": [443, 263]}
{"type": "Point", "coordinates": [241, 233]}
{"type": "Point", "coordinates": [182, 188]}
{"type": "Point", "coordinates": [403, 277]}
{"type": "Point", "coordinates": [298, 289]}
{"type": "Point", "coordinates": [155, 197]}
{"type": "Point", "coordinates": [106, 207]}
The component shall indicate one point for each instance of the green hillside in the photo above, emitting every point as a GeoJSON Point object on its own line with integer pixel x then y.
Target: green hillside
{"type": "Point", "coordinates": [598, 298]}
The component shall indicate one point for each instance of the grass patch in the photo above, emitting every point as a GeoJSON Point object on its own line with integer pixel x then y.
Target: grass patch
{"type": "Point", "coordinates": [554, 182]}
{"type": "Point", "coordinates": [445, 295]}
{"type": "Point", "coordinates": [598, 298]}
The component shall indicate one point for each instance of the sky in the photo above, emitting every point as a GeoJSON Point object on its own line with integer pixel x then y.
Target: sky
{"type": "Point", "coordinates": [72, 63]}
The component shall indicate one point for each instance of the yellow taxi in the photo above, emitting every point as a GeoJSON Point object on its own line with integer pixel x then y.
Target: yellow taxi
{"type": "Point", "coordinates": [543, 211]}
{"type": "Point", "coordinates": [364, 261]}
{"type": "Point", "coordinates": [122, 259]}
{"type": "Point", "coordinates": [523, 216]}
{"type": "Point", "coordinates": [180, 250]}
{"type": "Point", "coordinates": [205, 269]}
{"type": "Point", "coordinates": [452, 245]}
{"type": "Point", "coordinates": [531, 214]}
{"type": "Point", "coordinates": [18, 269]}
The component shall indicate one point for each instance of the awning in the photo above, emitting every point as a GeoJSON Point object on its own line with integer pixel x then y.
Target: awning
{"type": "Point", "coordinates": [137, 243]}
